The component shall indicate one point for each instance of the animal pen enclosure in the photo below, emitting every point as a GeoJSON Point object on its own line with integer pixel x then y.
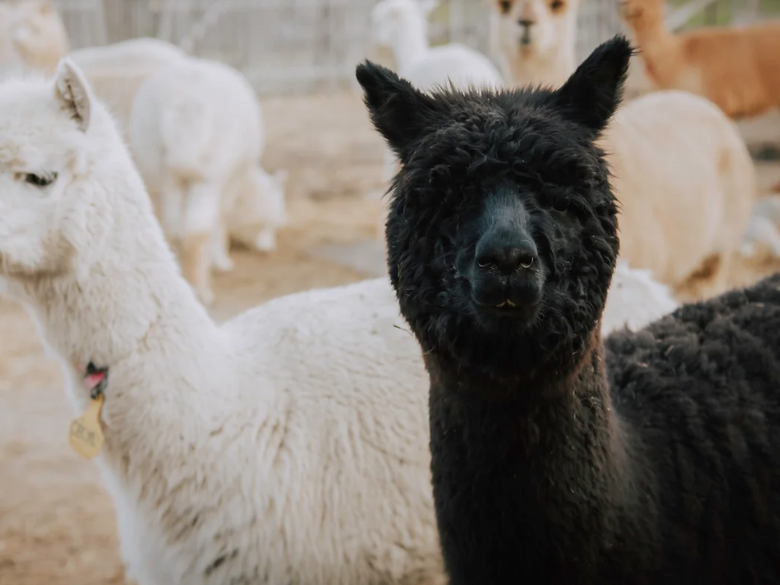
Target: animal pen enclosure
{"type": "Point", "coordinates": [302, 46]}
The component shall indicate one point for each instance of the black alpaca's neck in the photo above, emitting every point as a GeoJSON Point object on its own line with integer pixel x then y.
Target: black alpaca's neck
{"type": "Point", "coordinates": [528, 481]}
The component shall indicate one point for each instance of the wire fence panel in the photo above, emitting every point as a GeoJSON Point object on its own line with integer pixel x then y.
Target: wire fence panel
{"type": "Point", "coordinates": [303, 46]}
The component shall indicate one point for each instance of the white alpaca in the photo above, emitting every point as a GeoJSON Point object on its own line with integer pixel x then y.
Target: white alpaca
{"type": "Point", "coordinates": [288, 445]}
{"type": "Point", "coordinates": [534, 40]}
{"type": "Point", "coordinates": [116, 71]}
{"type": "Point", "coordinates": [403, 26]}
{"type": "Point", "coordinates": [37, 35]}
{"type": "Point", "coordinates": [686, 186]}
{"type": "Point", "coordinates": [196, 133]}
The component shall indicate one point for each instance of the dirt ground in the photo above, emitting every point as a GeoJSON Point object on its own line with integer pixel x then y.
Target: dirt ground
{"type": "Point", "coordinates": [56, 522]}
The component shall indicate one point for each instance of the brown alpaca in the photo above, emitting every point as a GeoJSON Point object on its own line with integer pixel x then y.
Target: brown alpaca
{"type": "Point", "coordinates": [738, 68]}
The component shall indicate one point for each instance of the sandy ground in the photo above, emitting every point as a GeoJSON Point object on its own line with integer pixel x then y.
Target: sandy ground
{"type": "Point", "coordinates": [56, 522]}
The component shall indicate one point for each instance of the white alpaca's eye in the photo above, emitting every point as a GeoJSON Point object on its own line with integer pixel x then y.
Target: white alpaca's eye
{"type": "Point", "coordinates": [40, 180]}
{"type": "Point", "coordinates": [505, 5]}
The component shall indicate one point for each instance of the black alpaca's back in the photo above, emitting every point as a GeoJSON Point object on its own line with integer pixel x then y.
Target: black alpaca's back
{"type": "Point", "coordinates": [700, 390]}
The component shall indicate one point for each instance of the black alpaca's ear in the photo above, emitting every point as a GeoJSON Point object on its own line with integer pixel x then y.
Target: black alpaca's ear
{"type": "Point", "coordinates": [399, 111]}
{"type": "Point", "coordinates": [593, 92]}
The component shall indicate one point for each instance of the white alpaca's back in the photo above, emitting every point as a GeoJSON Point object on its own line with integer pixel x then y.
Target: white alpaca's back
{"type": "Point", "coordinates": [316, 452]}
{"type": "Point", "coordinates": [685, 183]}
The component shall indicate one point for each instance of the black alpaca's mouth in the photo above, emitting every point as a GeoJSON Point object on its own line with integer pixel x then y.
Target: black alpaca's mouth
{"type": "Point", "coordinates": [508, 309]}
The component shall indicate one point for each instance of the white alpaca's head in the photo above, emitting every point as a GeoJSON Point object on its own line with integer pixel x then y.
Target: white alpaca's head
{"type": "Point", "coordinates": [54, 215]}
{"type": "Point", "coordinates": [38, 34]}
{"type": "Point", "coordinates": [391, 19]}
{"type": "Point", "coordinates": [536, 27]}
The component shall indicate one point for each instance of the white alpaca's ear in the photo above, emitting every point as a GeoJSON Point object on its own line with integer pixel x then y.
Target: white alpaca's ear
{"type": "Point", "coordinates": [72, 91]}
{"type": "Point", "coordinates": [280, 177]}
{"type": "Point", "coordinates": [428, 6]}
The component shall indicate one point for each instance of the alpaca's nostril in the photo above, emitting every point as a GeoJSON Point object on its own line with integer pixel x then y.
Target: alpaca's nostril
{"type": "Point", "coordinates": [525, 23]}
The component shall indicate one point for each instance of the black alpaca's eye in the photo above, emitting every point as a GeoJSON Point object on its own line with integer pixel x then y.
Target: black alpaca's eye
{"type": "Point", "coordinates": [40, 180]}
{"type": "Point", "coordinates": [556, 5]}
{"type": "Point", "coordinates": [562, 203]}
{"type": "Point", "coordinates": [505, 5]}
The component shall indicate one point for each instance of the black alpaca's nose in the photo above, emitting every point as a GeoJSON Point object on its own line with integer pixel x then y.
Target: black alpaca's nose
{"type": "Point", "coordinates": [505, 254]}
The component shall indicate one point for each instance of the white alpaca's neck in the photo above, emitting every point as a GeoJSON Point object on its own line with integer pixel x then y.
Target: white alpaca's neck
{"type": "Point", "coordinates": [411, 43]}
{"type": "Point", "coordinates": [133, 313]}
{"type": "Point", "coordinates": [552, 69]}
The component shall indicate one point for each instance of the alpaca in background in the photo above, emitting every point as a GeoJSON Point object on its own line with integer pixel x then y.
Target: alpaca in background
{"type": "Point", "coordinates": [534, 40]}
{"type": "Point", "coordinates": [737, 68]}
{"type": "Point", "coordinates": [555, 459]}
{"type": "Point", "coordinates": [403, 26]}
{"type": "Point", "coordinates": [683, 222]}
{"type": "Point", "coordinates": [197, 135]}
{"type": "Point", "coordinates": [116, 71]}
{"type": "Point", "coordinates": [37, 35]}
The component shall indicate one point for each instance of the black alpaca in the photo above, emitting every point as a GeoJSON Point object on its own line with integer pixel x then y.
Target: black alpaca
{"type": "Point", "coordinates": [651, 459]}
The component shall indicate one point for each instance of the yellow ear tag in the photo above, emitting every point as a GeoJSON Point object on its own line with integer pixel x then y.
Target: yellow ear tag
{"type": "Point", "coordinates": [86, 436]}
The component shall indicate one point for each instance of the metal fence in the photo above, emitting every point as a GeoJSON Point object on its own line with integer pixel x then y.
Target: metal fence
{"type": "Point", "coordinates": [297, 46]}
